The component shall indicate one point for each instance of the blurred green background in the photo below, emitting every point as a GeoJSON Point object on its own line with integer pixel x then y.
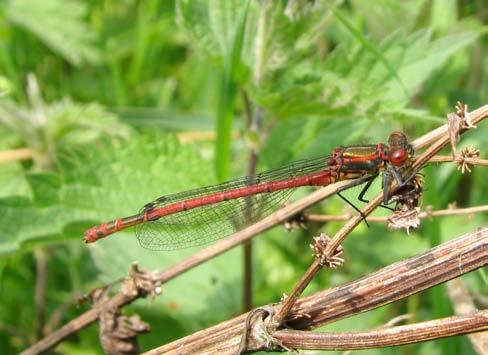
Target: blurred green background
{"type": "Point", "coordinates": [107, 105]}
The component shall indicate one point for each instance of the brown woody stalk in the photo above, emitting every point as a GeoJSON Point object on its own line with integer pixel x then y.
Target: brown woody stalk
{"type": "Point", "coordinates": [422, 215]}
{"type": "Point", "coordinates": [464, 305]}
{"type": "Point", "coordinates": [280, 216]}
{"type": "Point", "coordinates": [442, 263]}
{"type": "Point", "coordinates": [400, 335]}
{"type": "Point", "coordinates": [335, 242]}
{"type": "Point", "coordinates": [449, 159]}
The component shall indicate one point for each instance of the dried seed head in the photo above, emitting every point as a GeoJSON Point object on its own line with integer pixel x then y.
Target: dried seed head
{"type": "Point", "coordinates": [319, 248]}
{"type": "Point", "coordinates": [462, 158]}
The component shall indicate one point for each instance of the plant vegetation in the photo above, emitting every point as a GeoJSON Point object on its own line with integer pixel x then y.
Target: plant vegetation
{"type": "Point", "coordinates": [120, 102]}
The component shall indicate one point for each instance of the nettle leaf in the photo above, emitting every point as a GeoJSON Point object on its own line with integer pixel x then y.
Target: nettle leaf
{"type": "Point", "coordinates": [59, 24]}
{"type": "Point", "coordinates": [105, 180]}
{"type": "Point", "coordinates": [354, 83]}
{"type": "Point", "coordinates": [422, 58]}
{"type": "Point", "coordinates": [59, 126]}
{"type": "Point", "coordinates": [277, 35]}
{"type": "Point", "coordinates": [21, 222]}
{"type": "Point", "coordinates": [210, 23]}
{"type": "Point", "coordinates": [114, 179]}
{"type": "Point", "coordinates": [124, 180]}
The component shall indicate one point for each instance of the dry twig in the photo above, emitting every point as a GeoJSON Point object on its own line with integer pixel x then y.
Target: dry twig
{"type": "Point", "coordinates": [394, 336]}
{"type": "Point", "coordinates": [427, 213]}
{"type": "Point", "coordinates": [442, 263]}
{"type": "Point", "coordinates": [335, 242]}
{"type": "Point", "coordinates": [463, 305]}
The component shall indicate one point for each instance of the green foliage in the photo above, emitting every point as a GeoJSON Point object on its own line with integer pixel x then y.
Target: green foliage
{"type": "Point", "coordinates": [51, 129]}
{"type": "Point", "coordinates": [97, 180]}
{"type": "Point", "coordinates": [102, 92]}
{"type": "Point", "coordinates": [53, 22]}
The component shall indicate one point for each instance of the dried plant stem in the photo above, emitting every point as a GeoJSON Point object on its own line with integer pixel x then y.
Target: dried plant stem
{"type": "Point", "coordinates": [422, 215]}
{"type": "Point", "coordinates": [339, 237]}
{"type": "Point", "coordinates": [330, 249]}
{"type": "Point", "coordinates": [399, 335]}
{"type": "Point", "coordinates": [449, 159]}
{"type": "Point", "coordinates": [42, 279]}
{"type": "Point", "coordinates": [464, 305]}
{"type": "Point", "coordinates": [477, 116]}
{"type": "Point", "coordinates": [290, 300]}
{"type": "Point", "coordinates": [442, 263]}
{"type": "Point", "coordinates": [17, 154]}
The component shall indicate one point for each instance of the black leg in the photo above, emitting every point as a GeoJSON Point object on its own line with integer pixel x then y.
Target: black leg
{"type": "Point", "coordinates": [387, 207]}
{"type": "Point", "coordinates": [369, 179]}
{"type": "Point", "coordinates": [411, 176]}
{"type": "Point", "coordinates": [358, 181]}
{"type": "Point", "coordinates": [363, 192]}
{"type": "Point", "coordinates": [352, 205]}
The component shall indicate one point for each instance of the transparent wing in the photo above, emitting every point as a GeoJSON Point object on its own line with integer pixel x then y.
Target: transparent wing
{"type": "Point", "coordinates": [205, 224]}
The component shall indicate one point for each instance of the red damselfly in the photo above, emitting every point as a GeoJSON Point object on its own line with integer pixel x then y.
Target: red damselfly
{"type": "Point", "coordinates": [206, 214]}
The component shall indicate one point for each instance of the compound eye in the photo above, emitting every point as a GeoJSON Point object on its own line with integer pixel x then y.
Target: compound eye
{"type": "Point", "coordinates": [398, 157]}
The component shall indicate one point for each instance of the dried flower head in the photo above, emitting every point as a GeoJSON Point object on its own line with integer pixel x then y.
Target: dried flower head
{"type": "Point", "coordinates": [319, 246]}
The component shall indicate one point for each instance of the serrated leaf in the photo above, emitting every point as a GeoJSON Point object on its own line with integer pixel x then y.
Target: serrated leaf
{"type": "Point", "coordinates": [112, 178]}
{"type": "Point", "coordinates": [59, 24]}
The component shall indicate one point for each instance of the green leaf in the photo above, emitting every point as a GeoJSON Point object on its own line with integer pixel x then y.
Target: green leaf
{"type": "Point", "coordinates": [106, 180]}
{"type": "Point", "coordinates": [426, 57]}
{"type": "Point", "coordinates": [22, 221]}
{"type": "Point", "coordinates": [59, 24]}
{"type": "Point", "coordinates": [226, 100]}
{"type": "Point", "coordinates": [444, 15]}
{"type": "Point", "coordinates": [372, 47]}
{"type": "Point", "coordinates": [113, 179]}
{"type": "Point", "coordinates": [57, 127]}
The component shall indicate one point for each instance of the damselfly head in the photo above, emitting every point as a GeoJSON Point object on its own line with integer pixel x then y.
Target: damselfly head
{"type": "Point", "coordinates": [399, 149]}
